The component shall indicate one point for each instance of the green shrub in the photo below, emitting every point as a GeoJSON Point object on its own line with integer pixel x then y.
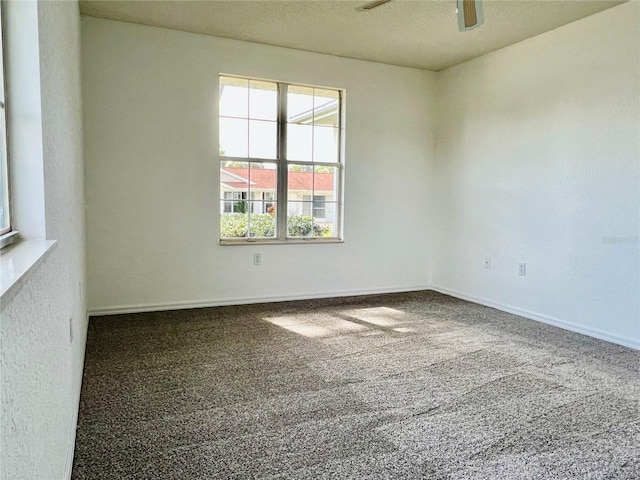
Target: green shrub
{"type": "Point", "coordinates": [263, 225]}
{"type": "Point", "coordinates": [241, 206]}
{"type": "Point", "coordinates": [235, 225]}
{"type": "Point", "coordinates": [301, 225]}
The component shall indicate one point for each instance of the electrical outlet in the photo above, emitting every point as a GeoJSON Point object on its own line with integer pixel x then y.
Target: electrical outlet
{"type": "Point", "coordinates": [522, 269]}
{"type": "Point", "coordinates": [257, 259]}
{"type": "Point", "coordinates": [487, 262]}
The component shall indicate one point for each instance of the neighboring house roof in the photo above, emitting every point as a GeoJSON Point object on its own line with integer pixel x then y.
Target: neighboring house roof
{"type": "Point", "coordinates": [265, 179]}
{"type": "Point", "coordinates": [321, 112]}
{"type": "Point", "coordinates": [231, 180]}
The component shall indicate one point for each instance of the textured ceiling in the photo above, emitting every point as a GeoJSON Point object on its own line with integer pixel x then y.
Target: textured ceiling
{"type": "Point", "coordinates": [412, 33]}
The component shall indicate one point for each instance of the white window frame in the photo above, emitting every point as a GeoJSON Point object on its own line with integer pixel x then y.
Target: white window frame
{"type": "Point", "coordinates": [282, 169]}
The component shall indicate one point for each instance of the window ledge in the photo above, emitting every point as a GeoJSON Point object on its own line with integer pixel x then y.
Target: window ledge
{"type": "Point", "coordinates": [308, 241]}
{"type": "Point", "coordinates": [17, 264]}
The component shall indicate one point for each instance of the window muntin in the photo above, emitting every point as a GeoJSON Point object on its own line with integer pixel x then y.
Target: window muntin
{"type": "Point", "coordinates": [5, 217]}
{"type": "Point", "coordinates": [279, 141]}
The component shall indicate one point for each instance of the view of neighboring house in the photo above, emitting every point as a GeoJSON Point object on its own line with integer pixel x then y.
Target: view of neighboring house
{"type": "Point", "coordinates": [309, 191]}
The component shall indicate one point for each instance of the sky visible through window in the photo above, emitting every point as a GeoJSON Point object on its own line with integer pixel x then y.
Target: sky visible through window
{"type": "Point", "coordinates": [248, 122]}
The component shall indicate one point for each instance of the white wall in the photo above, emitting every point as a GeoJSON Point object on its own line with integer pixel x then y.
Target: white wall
{"type": "Point", "coordinates": [41, 368]}
{"type": "Point", "coordinates": [149, 98]}
{"type": "Point", "coordinates": [538, 161]}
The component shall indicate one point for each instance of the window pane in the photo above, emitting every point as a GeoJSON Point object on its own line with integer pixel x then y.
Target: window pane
{"type": "Point", "coordinates": [234, 192]}
{"type": "Point", "coordinates": [328, 225]}
{"type": "Point", "coordinates": [234, 97]}
{"type": "Point", "coordinates": [306, 182]}
{"type": "Point", "coordinates": [299, 142]}
{"type": "Point", "coordinates": [263, 139]}
{"type": "Point", "coordinates": [263, 100]}
{"type": "Point", "coordinates": [299, 194]}
{"type": "Point", "coordinates": [325, 183]}
{"type": "Point", "coordinates": [300, 182]}
{"type": "Point", "coordinates": [261, 223]}
{"type": "Point", "coordinates": [295, 208]}
{"type": "Point", "coordinates": [300, 104]}
{"type": "Point", "coordinates": [298, 223]}
{"type": "Point", "coordinates": [248, 193]}
{"type": "Point", "coordinates": [263, 181]}
{"type": "Point", "coordinates": [319, 204]}
{"type": "Point", "coordinates": [234, 186]}
{"type": "Point", "coordinates": [234, 137]}
{"type": "Point", "coordinates": [234, 225]}
{"type": "Point", "coordinates": [325, 144]}
{"type": "Point", "coordinates": [312, 201]}
{"type": "Point", "coordinates": [325, 107]}
{"type": "Point", "coordinates": [5, 222]}
{"type": "Point", "coordinates": [4, 191]}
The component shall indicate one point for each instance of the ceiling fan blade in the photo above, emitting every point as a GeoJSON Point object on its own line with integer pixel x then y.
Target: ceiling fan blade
{"type": "Point", "coordinates": [371, 5]}
{"type": "Point", "coordinates": [470, 14]}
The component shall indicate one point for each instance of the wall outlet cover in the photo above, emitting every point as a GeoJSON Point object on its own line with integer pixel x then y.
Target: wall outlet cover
{"type": "Point", "coordinates": [522, 269]}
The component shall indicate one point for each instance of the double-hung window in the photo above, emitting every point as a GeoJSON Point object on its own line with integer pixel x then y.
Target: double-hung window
{"type": "Point", "coordinates": [280, 161]}
{"type": "Point", "coordinates": [5, 218]}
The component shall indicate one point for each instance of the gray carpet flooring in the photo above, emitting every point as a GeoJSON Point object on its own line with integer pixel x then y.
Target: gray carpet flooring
{"type": "Point", "coordinates": [415, 385]}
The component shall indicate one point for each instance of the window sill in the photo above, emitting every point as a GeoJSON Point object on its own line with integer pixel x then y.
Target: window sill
{"type": "Point", "coordinates": [17, 264]}
{"type": "Point", "coordinates": [308, 241]}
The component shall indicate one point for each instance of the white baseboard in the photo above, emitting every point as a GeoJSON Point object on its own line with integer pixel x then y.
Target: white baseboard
{"type": "Point", "coordinates": [180, 305]}
{"type": "Point", "coordinates": [71, 443]}
{"type": "Point", "coordinates": [592, 332]}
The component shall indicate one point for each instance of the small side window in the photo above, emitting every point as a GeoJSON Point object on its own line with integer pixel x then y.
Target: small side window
{"type": "Point", "coordinates": [5, 210]}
